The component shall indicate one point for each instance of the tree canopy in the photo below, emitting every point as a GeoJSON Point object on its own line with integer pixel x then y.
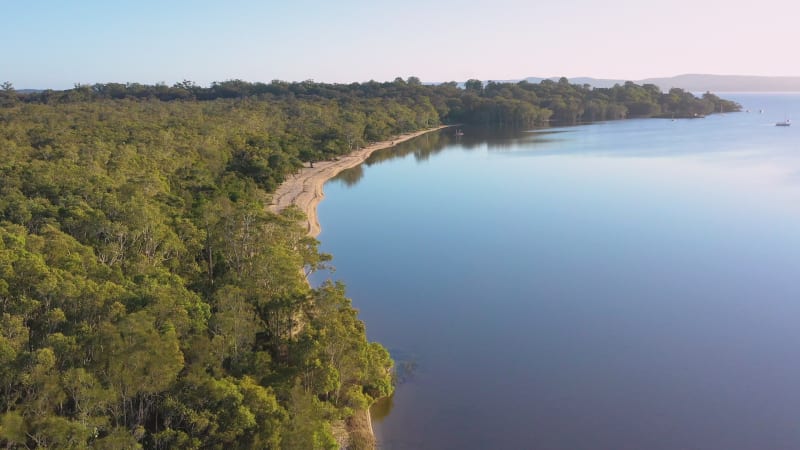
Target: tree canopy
{"type": "Point", "coordinates": [410, 104]}
{"type": "Point", "coordinates": [149, 300]}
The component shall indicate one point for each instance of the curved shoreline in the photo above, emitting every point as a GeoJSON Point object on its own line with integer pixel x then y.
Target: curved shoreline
{"type": "Point", "coordinates": [305, 188]}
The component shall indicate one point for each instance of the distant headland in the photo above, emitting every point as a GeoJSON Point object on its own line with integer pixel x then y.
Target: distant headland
{"type": "Point", "coordinates": [697, 82]}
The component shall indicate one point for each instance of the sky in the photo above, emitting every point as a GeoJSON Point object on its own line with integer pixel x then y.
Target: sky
{"type": "Point", "coordinates": [56, 44]}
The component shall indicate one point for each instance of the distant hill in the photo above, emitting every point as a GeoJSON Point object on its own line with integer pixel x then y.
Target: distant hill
{"type": "Point", "coordinates": [692, 82]}
{"type": "Point", "coordinates": [727, 83]}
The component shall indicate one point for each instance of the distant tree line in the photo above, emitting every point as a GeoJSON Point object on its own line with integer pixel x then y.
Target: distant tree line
{"type": "Point", "coordinates": [491, 103]}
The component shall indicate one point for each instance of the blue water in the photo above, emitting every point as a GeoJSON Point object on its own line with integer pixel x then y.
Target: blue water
{"type": "Point", "coordinates": [621, 285]}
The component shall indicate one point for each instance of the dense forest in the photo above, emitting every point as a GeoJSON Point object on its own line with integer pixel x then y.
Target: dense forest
{"type": "Point", "coordinates": [147, 297]}
{"type": "Point", "coordinates": [491, 103]}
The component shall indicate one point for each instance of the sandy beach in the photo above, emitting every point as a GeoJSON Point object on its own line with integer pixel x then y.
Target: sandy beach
{"type": "Point", "coordinates": [305, 188]}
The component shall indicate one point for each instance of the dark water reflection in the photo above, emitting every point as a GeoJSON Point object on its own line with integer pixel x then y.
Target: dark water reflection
{"type": "Point", "coordinates": [431, 144]}
{"type": "Point", "coordinates": [382, 408]}
{"type": "Point", "coordinates": [622, 285]}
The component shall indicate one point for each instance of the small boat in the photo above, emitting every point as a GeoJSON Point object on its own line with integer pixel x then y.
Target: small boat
{"type": "Point", "coordinates": [785, 123]}
{"type": "Point", "coordinates": [459, 133]}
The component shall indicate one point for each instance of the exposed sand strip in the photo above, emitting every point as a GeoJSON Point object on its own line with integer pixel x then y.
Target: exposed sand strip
{"type": "Point", "coordinates": [305, 188]}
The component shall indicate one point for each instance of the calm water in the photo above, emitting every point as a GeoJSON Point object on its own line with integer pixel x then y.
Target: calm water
{"type": "Point", "coordinates": [622, 285]}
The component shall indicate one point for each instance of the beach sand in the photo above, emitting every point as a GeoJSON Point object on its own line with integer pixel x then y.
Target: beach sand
{"type": "Point", "coordinates": [305, 188]}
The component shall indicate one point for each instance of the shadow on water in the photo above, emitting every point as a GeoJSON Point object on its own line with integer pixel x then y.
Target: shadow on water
{"type": "Point", "coordinates": [428, 145]}
{"type": "Point", "coordinates": [422, 148]}
{"type": "Point", "coordinates": [647, 139]}
{"type": "Point", "coordinates": [405, 370]}
{"type": "Point", "coordinates": [508, 138]}
{"type": "Point", "coordinates": [382, 408]}
{"type": "Point", "coordinates": [406, 366]}
{"type": "Point", "coordinates": [350, 177]}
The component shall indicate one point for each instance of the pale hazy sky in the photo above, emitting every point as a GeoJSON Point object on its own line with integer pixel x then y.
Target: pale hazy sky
{"type": "Point", "coordinates": [56, 43]}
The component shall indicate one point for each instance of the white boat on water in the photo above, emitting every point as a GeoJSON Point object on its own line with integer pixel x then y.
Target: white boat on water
{"type": "Point", "coordinates": [785, 123]}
